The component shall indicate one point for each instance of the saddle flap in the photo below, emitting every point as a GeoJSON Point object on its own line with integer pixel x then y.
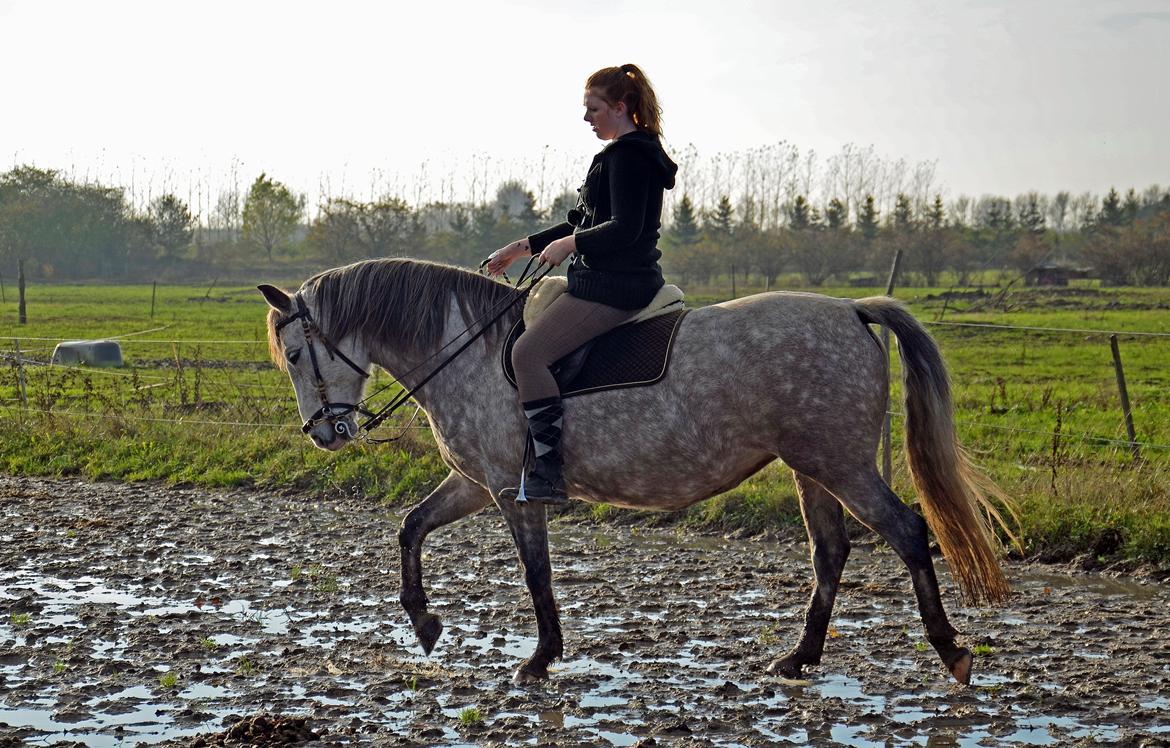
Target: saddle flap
{"type": "Point", "coordinates": [635, 354]}
{"type": "Point", "coordinates": [567, 369]}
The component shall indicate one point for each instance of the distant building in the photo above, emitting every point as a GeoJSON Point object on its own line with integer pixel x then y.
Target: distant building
{"type": "Point", "coordinates": [1053, 274]}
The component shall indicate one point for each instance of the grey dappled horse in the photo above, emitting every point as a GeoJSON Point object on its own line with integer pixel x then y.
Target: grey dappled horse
{"type": "Point", "coordinates": [794, 376]}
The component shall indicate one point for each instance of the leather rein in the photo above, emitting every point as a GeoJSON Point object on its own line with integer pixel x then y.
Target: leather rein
{"type": "Point", "coordinates": [335, 413]}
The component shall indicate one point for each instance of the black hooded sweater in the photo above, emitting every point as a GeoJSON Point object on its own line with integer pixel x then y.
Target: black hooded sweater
{"type": "Point", "coordinates": [616, 222]}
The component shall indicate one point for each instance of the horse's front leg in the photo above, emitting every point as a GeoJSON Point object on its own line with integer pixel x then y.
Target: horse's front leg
{"type": "Point", "coordinates": [455, 498]}
{"type": "Point", "coordinates": [529, 528]}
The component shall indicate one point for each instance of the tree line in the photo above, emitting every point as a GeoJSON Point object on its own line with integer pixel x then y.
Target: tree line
{"type": "Point", "coordinates": [62, 228]}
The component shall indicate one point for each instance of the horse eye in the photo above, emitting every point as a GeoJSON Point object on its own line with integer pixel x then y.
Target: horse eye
{"type": "Point", "coordinates": [293, 355]}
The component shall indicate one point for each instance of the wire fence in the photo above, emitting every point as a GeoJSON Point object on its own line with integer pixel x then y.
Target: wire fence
{"type": "Point", "coordinates": [147, 380]}
{"type": "Point", "coordinates": [1031, 328]}
{"type": "Point", "coordinates": [940, 323]}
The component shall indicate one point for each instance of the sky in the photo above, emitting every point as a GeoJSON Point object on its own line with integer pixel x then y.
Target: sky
{"type": "Point", "coordinates": [1004, 96]}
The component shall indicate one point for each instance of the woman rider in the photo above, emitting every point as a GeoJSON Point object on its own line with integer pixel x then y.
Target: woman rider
{"type": "Point", "coordinates": [612, 235]}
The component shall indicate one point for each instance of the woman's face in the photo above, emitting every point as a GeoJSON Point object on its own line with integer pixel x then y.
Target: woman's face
{"type": "Point", "coordinates": [607, 121]}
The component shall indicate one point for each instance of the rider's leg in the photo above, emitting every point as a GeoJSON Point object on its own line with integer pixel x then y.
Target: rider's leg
{"type": "Point", "coordinates": [566, 325]}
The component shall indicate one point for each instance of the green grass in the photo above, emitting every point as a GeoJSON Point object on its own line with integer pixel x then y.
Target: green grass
{"type": "Point", "coordinates": [1038, 409]}
{"type": "Point", "coordinates": [470, 717]}
{"type": "Point", "coordinates": [246, 666]}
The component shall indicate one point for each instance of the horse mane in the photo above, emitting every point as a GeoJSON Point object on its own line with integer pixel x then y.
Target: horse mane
{"type": "Point", "coordinates": [398, 302]}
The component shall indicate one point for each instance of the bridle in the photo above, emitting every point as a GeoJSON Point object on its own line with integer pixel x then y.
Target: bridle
{"type": "Point", "coordinates": [334, 413]}
{"type": "Point", "coordinates": [329, 412]}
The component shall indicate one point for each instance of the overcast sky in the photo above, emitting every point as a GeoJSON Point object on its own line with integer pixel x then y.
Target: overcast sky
{"type": "Point", "coordinates": [1005, 95]}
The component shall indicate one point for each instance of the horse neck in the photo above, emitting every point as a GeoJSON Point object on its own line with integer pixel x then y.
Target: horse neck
{"type": "Point", "coordinates": [467, 375]}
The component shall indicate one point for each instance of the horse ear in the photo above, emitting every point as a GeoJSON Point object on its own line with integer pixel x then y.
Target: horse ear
{"type": "Point", "coordinates": [277, 299]}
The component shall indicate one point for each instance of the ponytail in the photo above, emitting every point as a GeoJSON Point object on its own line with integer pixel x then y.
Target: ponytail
{"type": "Point", "coordinates": [629, 85]}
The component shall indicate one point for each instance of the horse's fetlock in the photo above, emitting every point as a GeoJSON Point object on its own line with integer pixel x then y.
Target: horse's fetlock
{"type": "Point", "coordinates": [413, 601]}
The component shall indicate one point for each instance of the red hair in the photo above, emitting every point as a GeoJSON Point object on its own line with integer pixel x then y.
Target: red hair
{"type": "Point", "coordinates": [629, 85]}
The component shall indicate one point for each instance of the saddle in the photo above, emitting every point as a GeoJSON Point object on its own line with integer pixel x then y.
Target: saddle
{"type": "Point", "coordinates": [634, 354]}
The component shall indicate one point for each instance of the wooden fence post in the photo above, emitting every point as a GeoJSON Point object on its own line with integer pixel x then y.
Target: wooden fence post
{"type": "Point", "coordinates": [20, 375]}
{"type": "Point", "coordinates": [887, 458]}
{"type": "Point", "coordinates": [1121, 388]}
{"type": "Point", "coordinates": [22, 318]}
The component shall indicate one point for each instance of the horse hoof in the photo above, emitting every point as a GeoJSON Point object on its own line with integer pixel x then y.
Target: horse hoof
{"type": "Point", "coordinates": [786, 667]}
{"type": "Point", "coordinates": [526, 675]}
{"type": "Point", "coordinates": [428, 628]}
{"type": "Point", "coordinates": [961, 667]}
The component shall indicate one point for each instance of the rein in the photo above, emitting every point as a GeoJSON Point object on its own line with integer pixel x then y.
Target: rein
{"type": "Point", "coordinates": [375, 419]}
{"type": "Point", "coordinates": [332, 412]}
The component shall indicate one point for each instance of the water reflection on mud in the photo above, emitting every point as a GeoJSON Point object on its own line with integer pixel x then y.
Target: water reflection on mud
{"type": "Point", "coordinates": [133, 614]}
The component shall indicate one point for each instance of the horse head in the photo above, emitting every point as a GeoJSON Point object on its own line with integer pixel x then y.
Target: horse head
{"type": "Point", "coordinates": [328, 375]}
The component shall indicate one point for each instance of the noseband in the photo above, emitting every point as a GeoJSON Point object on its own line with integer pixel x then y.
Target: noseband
{"type": "Point", "coordinates": [329, 412]}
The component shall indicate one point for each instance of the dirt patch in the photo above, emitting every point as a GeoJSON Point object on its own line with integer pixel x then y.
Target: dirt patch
{"type": "Point", "coordinates": [261, 730]}
{"type": "Point", "coordinates": [139, 614]}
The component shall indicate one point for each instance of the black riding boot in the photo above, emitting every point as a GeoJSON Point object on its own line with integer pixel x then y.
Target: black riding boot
{"type": "Point", "coordinates": [543, 482]}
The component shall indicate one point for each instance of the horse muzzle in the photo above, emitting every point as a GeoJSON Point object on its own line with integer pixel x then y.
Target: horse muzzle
{"type": "Point", "coordinates": [332, 435]}
{"type": "Point", "coordinates": [333, 425]}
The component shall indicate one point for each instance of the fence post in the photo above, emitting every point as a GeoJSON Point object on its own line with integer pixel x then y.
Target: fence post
{"type": "Point", "coordinates": [22, 318]}
{"type": "Point", "coordinates": [887, 459]}
{"type": "Point", "coordinates": [1121, 388]}
{"type": "Point", "coordinates": [20, 376]}
{"type": "Point", "coordinates": [153, 290]}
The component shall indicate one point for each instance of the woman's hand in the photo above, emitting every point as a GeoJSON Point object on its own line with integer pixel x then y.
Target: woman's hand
{"type": "Point", "coordinates": [499, 260]}
{"type": "Point", "coordinates": [556, 252]}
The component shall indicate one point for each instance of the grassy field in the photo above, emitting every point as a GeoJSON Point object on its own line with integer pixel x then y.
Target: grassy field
{"type": "Point", "coordinates": [199, 402]}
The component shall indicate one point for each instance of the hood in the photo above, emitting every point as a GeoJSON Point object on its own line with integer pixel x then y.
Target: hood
{"type": "Point", "coordinates": [651, 146]}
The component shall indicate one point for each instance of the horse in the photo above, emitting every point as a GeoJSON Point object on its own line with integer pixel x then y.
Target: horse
{"type": "Point", "coordinates": [798, 377]}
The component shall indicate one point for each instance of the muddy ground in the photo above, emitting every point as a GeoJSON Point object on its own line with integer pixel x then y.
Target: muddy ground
{"type": "Point", "coordinates": [143, 614]}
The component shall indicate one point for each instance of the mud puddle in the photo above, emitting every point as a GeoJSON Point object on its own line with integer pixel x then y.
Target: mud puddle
{"type": "Point", "coordinates": [139, 614]}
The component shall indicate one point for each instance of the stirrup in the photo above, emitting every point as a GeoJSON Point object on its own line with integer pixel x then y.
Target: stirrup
{"type": "Point", "coordinates": [521, 495]}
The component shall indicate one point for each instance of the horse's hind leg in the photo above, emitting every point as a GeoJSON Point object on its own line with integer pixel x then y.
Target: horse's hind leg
{"type": "Point", "coordinates": [829, 544]}
{"type": "Point", "coordinates": [872, 502]}
{"type": "Point", "coordinates": [455, 498]}
{"type": "Point", "coordinates": [529, 527]}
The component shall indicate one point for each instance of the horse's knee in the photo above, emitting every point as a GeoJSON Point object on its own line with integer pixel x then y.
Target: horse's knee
{"type": "Point", "coordinates": [412, 530]}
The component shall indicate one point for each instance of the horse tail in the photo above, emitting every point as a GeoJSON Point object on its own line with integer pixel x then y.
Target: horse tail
{"type": "Point", "coordinates": [957, 498]}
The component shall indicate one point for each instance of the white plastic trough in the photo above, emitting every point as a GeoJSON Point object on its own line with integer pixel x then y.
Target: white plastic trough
{"type": "Point", "coordinates": [88, 352]}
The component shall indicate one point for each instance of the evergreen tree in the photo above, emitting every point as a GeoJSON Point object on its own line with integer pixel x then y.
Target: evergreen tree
{"type": "Point", "coordinates": [1131, 206]}
{"type": "Point", "coordinates": [1112, 214]}
{"type": "Point", "coordinates": [720, 220]}
{"type": "Point", "coordinates": [996, 215]}
{"type": "Point", "coordinates": [1031, 218]}
{"type": "Point", "coordinates": [801, 215]}
{"type": "Point", "coordinates": [936, 214]}
{"type": "Point", "coordinates": [903, 213]}
{"type": "Point", "coordinates": [867, 219]}
{"type": "Point", "coordinates": [684, 229]}
{"type": "Point", "coordinates": [835, 214]}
